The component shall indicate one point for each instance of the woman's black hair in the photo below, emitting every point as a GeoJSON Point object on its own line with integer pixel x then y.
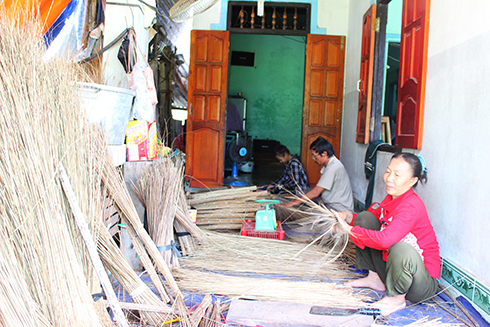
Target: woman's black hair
{"type": "Point", "coordinates": [281, 150]}
{"type": "Point", "coordinates": [417, 164]}
{"type": "Point", "coordinates": [321, 145]}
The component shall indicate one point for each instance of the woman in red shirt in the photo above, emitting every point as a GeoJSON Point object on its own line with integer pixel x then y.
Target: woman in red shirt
{"type": "Point", "coordinates": [396, 242]}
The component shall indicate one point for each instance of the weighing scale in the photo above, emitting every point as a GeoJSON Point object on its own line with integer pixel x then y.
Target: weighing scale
{"type": "Point", "coordinates": [265, 219]}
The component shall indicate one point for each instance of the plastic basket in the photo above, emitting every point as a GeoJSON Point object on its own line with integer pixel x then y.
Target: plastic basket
{"type": "Point", "coordinates": [248, 229]}
{"type": "Point", "coordinates": [110, 106]}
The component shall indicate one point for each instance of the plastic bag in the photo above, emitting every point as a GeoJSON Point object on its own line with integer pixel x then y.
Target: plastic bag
{"type": "Point", "coordinates": [141, 81]}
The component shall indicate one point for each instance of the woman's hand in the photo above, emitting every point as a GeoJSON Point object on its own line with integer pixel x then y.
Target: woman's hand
{"type": "Point", "coordinates": [344, 215]}
{"type": "Point", "coordinates": [343, 220]}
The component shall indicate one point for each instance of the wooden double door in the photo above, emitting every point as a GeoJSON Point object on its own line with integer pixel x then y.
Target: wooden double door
{"type": "Point", "coordinates": [207, 96]}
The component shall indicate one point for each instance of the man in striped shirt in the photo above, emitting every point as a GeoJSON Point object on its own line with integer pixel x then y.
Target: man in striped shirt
{"type": "Point", "coordinates": [294, 177]}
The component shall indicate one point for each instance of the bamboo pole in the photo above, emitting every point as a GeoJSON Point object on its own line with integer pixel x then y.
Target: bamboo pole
{"type": "Point", "coordinates": [92, 249]}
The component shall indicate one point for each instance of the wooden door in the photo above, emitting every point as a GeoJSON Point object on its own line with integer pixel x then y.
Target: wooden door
{"type": "Point", "coordinates": [206, 104]}
{"type": "Point", "coordinates": [365, 84]}
{"type": "Point", "coordinates": [324, 83]}
{"type": "Point", "coordinates": [413, 71]}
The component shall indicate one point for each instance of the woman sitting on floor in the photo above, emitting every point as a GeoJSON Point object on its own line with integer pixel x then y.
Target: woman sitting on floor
{"type": "Point", "coordinates": [396, 242]}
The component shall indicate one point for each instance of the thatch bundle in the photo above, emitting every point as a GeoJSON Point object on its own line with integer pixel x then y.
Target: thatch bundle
{"type": "Point", "coordinates": [162, 194]}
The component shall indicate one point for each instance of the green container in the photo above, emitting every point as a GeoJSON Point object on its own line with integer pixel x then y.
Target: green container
{"type": "Point", "coordinates": [265, 219]}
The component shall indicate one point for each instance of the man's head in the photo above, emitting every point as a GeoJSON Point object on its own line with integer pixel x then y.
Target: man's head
{"type": "Point", "coordinates": [282, 154]}
{"type": "Point", "coordinates": [321, 151]}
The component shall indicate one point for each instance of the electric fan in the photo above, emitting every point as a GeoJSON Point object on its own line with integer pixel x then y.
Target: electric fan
{"type": "Point", "coordinates": [186, 9]}
{"type": "Point", "coordinates": [238, 151]}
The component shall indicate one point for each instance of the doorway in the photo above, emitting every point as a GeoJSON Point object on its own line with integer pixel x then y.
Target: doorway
{"type": "Point", "coordinates": [392, 67]}
{"type": "Point", "coordinates": [271, 79]}
{"type": "Point", "coordinates": [208, 93]}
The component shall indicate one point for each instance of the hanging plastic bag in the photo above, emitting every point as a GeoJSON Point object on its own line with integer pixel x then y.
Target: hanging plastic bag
{"type": "Point", "coordinates": [141, 81]}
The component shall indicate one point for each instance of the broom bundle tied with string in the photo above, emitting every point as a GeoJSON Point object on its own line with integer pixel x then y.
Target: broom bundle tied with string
{"type": "Point", "coordinates": [158, 188]}
{"type": "Point", "coordinates": [161, 191]}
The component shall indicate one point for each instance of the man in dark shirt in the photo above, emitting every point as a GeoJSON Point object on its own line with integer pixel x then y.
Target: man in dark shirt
{"type": "Point", "coordinates": [294, 177]}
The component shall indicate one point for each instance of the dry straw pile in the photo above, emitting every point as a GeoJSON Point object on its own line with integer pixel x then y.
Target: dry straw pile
{"type": "Point", "coordinates": [47, 271]}
{"type": "Point", "coordinates": [162, 194]}
{"type": "Point", "coordinates": [42, 256]}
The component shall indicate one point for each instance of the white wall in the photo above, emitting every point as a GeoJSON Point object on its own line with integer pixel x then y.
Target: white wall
{"type": "Point", "coordinates": [455, 141]}
{"type": "Point", "coordinates": [204, 20]}
{"type": "Point", "coordinates": [118, 17]}
{"type": "Point", "coordinates": [352, 153]}
{"type": "Point", "coordinates": [333, 16]}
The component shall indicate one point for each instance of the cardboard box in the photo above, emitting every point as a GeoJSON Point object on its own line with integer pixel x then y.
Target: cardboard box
{"type": "Point", "coordinates": [137, 140]}
{"type": "Point", "coordinates": [153, 140]}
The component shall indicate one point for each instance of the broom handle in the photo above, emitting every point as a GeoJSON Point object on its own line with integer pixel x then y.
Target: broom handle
{"type": "Point", "coordinates": [92, 249]}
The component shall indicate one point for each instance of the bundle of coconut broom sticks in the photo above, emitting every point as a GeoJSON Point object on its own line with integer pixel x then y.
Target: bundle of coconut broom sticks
{"type": "Point", "coordinates": [55, 176]}
{"type": "Point", "coordinates": [226, 209]}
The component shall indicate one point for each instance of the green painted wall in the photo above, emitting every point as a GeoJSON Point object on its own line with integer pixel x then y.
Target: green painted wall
{"type": "Point", "coordinates": [394, 25]}
{"type": "Point", "coordinates": [273, 87]}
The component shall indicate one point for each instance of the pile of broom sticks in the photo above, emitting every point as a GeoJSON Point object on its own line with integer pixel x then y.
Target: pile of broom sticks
{"type": "Point", "coordinates": [162, 193]}
{"type": "Point", "coordinates": [48, 270]}
{"type": "Point", "coordinates": [226, 209]}
{"type": "Point", "coordinates": [187, 231]}
{"type": "Point", "coordinates": [158, 187]}
{"type": "Point", "coordinates": [271, 289]}
{"type": "Point", "coordinates": [240, 254]}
